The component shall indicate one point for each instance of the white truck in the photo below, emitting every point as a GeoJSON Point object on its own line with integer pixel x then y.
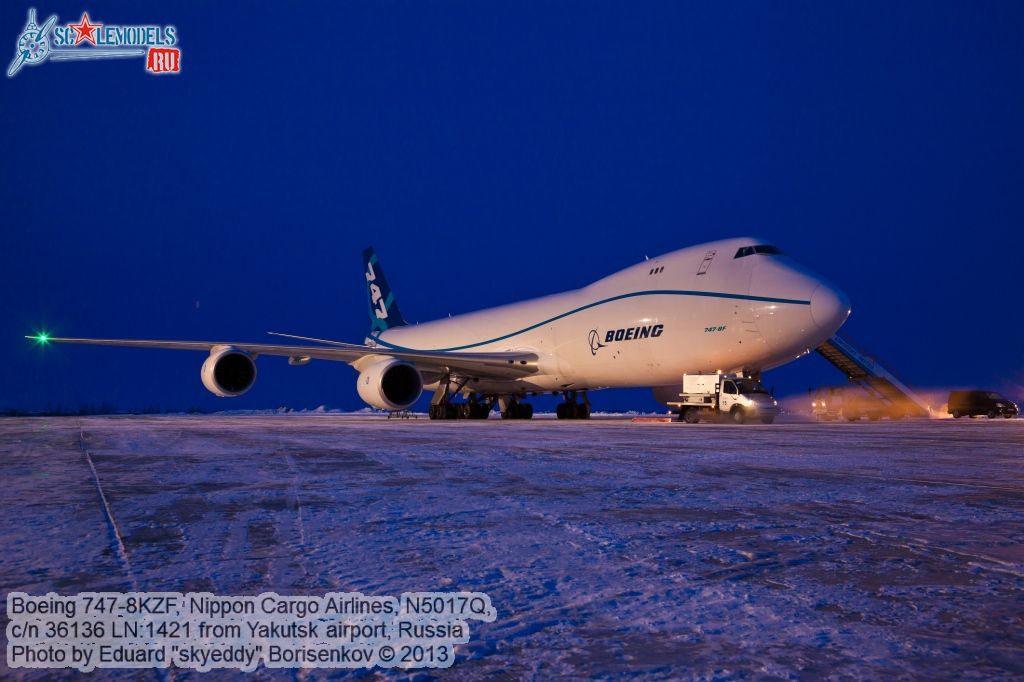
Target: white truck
{"type": "Point", "coordinates": [723, 395]}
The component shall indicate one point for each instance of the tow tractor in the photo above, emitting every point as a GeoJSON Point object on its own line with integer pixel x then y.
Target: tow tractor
{"type": "Point", "coordinates": [713, 396]}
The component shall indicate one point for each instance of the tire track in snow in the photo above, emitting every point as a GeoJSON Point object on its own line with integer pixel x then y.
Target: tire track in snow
{"type": "Point", "coordinates": [298, 508]}
{"type": "Point", "coordinates": [115, 531]}
{"type": "Point", "coordinates": [122, 552]}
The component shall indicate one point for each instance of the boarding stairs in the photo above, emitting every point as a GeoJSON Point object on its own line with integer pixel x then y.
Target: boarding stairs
{"type": "Point", "coordinates": [868, 373]}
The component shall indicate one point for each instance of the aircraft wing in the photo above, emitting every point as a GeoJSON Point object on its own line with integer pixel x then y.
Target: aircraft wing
{"type": "Point", "coordinates": [500, 365]}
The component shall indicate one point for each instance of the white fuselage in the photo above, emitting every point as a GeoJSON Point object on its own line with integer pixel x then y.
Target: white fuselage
{"type": "Point", "coordinates": [699, 309]}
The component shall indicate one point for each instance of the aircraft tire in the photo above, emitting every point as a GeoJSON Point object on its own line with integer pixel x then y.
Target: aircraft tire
{"type": "Point", "coordinates": [582, 411]}
{"type": "Point", "coordinates": [444, 411]}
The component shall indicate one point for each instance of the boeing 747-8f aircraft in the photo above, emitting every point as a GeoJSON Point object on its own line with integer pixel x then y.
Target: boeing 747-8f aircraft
{"type": "Point", "coordinates": [731, 306]}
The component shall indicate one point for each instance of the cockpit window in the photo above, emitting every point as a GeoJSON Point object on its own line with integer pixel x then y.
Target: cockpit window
{"type": "Point", "coordinates": [766, 249]}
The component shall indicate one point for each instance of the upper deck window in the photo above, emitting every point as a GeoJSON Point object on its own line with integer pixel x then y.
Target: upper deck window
{"type": "Point", "coordinates": [766, 249]}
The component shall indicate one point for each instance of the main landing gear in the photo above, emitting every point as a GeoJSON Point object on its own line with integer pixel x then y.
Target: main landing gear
{"type": "Point", "coordinates": [471, 409]}
{"type": "Point", "coordinates": [479, 407]}
{"type": "Point", "coordinates": [511, 408]}
{"type": "Point", "coordinates": [442, 407]}
{"type": "Point", "coordinates": [570, 409]}
{"type": "Point", "coordinates": [475, 406]}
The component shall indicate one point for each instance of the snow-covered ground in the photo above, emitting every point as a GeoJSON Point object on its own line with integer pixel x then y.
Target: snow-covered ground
{"type": "Point", "coordinates": [610, 548]}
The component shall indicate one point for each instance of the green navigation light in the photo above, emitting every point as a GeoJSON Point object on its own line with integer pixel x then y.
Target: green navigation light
{"type": "Point", "coordinates": [41, 338]}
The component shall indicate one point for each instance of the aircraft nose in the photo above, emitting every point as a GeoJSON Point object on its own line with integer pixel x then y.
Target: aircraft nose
{"type": "Point", "coordinates": [829, 307]}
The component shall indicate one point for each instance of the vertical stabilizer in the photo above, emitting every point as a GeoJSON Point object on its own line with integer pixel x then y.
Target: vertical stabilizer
{"type": "Point", "coordinates": [384, 313]}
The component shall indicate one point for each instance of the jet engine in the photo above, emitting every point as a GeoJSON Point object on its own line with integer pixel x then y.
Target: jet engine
{"type": "Point", "coordinates": [228, 372]}
{"type": "Point", "coordinates": [390, 384]}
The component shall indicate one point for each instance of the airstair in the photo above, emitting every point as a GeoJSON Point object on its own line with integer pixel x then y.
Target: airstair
{"type": "Point", "coordinates": [868, 373]}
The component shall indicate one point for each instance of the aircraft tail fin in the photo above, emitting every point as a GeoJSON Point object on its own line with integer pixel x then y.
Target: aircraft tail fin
{"type": "Point", "coordinates": [384, 312]}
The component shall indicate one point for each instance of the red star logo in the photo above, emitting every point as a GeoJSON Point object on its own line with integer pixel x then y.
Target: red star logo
{"type": "Point", "coordinates": [85, 30]}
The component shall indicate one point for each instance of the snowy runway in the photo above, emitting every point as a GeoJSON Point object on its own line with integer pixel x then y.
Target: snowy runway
{"type": "Point", "coordinates": [608, 547]}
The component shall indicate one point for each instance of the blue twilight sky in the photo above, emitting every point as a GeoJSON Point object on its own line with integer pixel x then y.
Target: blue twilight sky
{"type": "Point", "coordinates": [499, 150]}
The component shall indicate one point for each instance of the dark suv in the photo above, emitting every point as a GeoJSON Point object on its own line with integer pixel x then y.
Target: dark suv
{"type": "Point", "coordinates": [974, 403]}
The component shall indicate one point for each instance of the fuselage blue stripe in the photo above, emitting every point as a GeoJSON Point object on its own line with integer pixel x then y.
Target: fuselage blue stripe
{"type": "Point", "coordinates": [654, 292]}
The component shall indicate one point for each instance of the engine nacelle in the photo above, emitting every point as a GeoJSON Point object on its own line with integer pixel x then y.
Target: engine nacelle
{"type": "Point", "coordinates": [228, 372]}
{"type": "Point", "coordinates": [390, 384]}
